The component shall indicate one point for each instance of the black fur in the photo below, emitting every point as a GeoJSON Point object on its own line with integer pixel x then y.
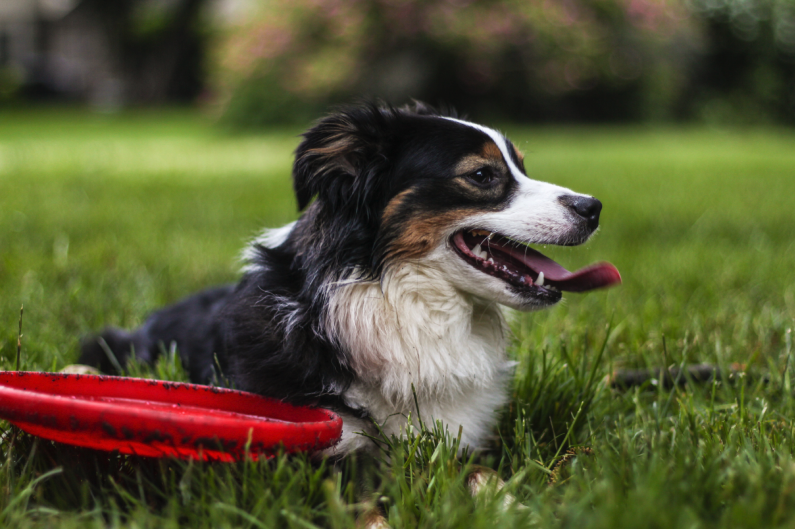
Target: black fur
{"type": "Point", "coordinates": [267, 331]}
{"type": "Point", "coordinates": [194, 324]}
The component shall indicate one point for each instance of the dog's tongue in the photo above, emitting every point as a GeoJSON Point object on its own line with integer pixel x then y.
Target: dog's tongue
{"type": "Point", "coordinates": [591, 277]}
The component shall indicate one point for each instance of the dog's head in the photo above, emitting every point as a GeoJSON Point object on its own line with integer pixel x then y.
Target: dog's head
{"type": "Point", "coordinates": [411, 185]}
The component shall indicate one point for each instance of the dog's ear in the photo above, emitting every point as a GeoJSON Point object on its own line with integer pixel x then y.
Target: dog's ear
{"type": "Point", "coordinates": [341, 157]}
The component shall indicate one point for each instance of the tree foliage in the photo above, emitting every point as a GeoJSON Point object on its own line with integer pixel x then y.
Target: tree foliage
{"type": "Point", "coordinates": [552, 60]}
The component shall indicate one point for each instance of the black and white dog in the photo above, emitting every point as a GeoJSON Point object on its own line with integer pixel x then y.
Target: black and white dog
{"type": "Point", "coordinates": [391, 278]}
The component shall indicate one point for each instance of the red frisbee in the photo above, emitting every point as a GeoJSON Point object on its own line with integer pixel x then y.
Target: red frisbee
{"type": "Point", "coordinates": [160, 419]}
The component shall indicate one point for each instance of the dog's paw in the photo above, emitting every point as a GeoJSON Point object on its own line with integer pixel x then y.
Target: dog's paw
{"type": "Point", "coordinates": [484, 481]}
{"type": "Point", "coordinates": [373, 518]}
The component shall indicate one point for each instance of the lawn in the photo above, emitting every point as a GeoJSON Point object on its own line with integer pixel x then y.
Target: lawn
{"type": "Point", "coordinates": [104, 218]}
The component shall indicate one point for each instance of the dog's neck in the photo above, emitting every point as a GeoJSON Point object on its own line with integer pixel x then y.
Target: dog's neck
{"type": "Point", "coordinates": [414, 332]}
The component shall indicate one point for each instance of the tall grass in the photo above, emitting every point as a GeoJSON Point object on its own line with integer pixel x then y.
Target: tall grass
{"type": "Point", "coordinates": [105, 218]}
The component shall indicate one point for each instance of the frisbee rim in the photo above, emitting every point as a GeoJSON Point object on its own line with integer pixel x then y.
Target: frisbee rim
{"type": "Point", "coordinates": [58, 406]}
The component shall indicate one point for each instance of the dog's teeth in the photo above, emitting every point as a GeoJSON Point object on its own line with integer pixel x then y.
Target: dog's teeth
{"type": "Point", "coordinates": [479, 252]}
{"type": "Point", "coordinates": [491, 260]}
{"type": "Point", "coordinates": [540, 280]}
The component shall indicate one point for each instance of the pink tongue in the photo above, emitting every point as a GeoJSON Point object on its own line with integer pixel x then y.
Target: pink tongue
{"type": "Point", "coordinates": [597, 275]}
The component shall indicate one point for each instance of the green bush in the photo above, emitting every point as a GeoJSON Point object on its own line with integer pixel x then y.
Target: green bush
{"type": "Point", "coordinates": [592, 60]}
{"type": "Point", "coordinates": [517, 60]}
{"type": "Point", "coordinates": [10, 82]}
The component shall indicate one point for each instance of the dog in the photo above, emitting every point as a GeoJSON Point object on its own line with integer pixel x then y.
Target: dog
{"type": "Point", "coordinates": [415, 229]}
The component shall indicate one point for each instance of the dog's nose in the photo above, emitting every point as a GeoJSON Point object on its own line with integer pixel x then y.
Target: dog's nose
{"type": "Point", "coordinates": [586, 207]}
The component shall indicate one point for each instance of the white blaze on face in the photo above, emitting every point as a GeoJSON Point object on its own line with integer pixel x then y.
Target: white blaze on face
{"type": "Point", "coordinates": [534, 215]}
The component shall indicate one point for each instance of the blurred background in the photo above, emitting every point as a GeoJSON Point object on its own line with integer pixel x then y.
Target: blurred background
{"type": "Point", "coordinates": [255, 63]}
{"type": "Point", "coordinates": [143, 142]}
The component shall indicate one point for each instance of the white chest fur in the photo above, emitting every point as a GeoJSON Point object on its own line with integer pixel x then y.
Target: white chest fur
{"type": "Point", "coordinates": [416, 329]}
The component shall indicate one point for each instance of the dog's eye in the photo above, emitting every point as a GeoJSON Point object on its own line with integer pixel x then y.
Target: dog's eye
{"type": "Point", "coordinates": [482, 177]}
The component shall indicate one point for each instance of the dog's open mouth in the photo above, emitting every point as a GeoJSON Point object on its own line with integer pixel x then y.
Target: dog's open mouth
{"type": "Point", "coordinates": [527, 269]}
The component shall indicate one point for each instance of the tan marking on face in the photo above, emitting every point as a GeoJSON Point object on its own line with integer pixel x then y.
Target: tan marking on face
{"type": "Point", "coordinates": [491, 151]}
{"type": "Point", "coordinates": [423, 233]}
{"type": "Point", "coordinates": [393, 205]}
{"type": "Point", "coordinates": [518, 153]}
{"type": "Point", "coordinates": [470, 163]}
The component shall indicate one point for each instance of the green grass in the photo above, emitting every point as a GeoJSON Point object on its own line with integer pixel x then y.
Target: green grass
{"type": "Point", "coordinates": [105, 218]}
